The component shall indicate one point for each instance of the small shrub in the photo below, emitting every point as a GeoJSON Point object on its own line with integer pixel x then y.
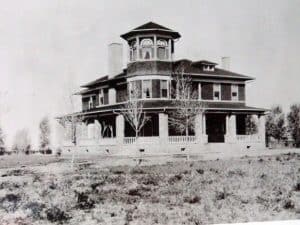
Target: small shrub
{"type": "Point", "coordinates": [55, 214]}
{"type": "Point", "coordinates": [297, 187]}
{"type": "Point", "coordinates": [192, 200]}
{"type": "Point", "coordinates": [137, 170]}
{"type": "Point", "coordinates": [200, 171]}
{"type": "Point", "coordinates": [83, 201]}
{"type": "Point", "coordinates": [175, 178]}
{"type": "Point", "coordinates": [289, 204]}
{"type": "Point", "coordinates": [150, 180]}
{"type": "Point", "coordinates": [260, 160]}
{"type": "Point", "coordinates": [35, 209]}
{"type": "Point", "coordinates": [117, 171]}
{"type": "Point", "coordinates": [10, 202]}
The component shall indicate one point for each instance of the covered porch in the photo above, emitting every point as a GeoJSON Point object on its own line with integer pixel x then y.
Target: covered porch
{"type": "Point", "coordinates": [210, 127]}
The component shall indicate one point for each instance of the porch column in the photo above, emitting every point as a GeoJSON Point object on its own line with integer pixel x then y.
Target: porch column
{"type": "Point", "coordinates": [198, 127]}
{"type": "Point", "coordinates": [262, 129]}
{"type": "Point", "coordinates": [98, 130]}
{"type": "Point", "coordinates": [163, 128]}
{"type": "Point", "coordinates": [120, 128]}
{"type": "Point", "coordinates": [231, 132]}
{"type": "Point", "coordinates": [204, 135]}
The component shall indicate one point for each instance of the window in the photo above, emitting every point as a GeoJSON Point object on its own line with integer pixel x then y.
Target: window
{"type": "Point", "coordinates": [147, 49]}
{"type": "Point", "coordinates": [162, 49]}
{"type": "Point", "coordinates": [133, 51]}
{"type": "Point", "coordinates": [217, 91]}
{"type": "Point", "coordinates": [91, 103]}
{"type": "Point", "coordinates": [101, 97]}
{"type": "Point", "coordinates": [234, 92]}
{"type": "Point", "coordinates": [164, 89]}
{"type": "Point", "coordinates": [147, 90]}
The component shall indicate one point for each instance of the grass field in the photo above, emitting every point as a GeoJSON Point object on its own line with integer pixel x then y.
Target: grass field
{"type": "Point", "coordinates": [46, 191]}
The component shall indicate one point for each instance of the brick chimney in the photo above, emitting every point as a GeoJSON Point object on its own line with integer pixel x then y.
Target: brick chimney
{"type": "Point", "coordinates": [226, 63]}
{"type": "Point", "coordinates": [115, 59]}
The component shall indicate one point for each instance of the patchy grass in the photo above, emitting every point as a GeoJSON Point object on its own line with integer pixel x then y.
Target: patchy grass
{"type": "Point", "coordinates": [181, 192]}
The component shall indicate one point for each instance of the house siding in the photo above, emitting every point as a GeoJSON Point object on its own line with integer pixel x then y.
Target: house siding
{"type": "Point", "coordinates": [225, 91]}
{"type": "Point", "coordinates": [207, 91]}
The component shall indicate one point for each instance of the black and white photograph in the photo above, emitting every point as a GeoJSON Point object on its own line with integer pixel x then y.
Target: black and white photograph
{"type": "Point", "coordinates": [149, 112]}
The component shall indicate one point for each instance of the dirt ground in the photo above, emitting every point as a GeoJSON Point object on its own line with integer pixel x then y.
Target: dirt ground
{"type": "Point", "coordinates": [46, 190]}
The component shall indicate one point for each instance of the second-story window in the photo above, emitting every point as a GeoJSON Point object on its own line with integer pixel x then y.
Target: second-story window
{"type": "Point", "coordinates": [147, 90]}
{"type": "Point", "coordinates": [162, 49]}
{"type": "Point", "coordinates": [164, 89]}
{"type": "Point", "coordinates": [147, 49]}
{"type": "Point", "coordinates": [217, 92]}
{"type": "Point", "coordinates": [91, 104]}
{"type": "Point", "coordinates": [101, 97]}
{"type": "Point", "coordinates": [234, 92]}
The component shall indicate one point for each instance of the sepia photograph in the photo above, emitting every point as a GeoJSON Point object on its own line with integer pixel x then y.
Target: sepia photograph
{"type": "Point", "coordinates": [149, 112]}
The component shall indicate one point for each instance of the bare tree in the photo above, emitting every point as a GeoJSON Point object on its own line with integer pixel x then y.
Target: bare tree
{"type": "Point", "coordinates": [70, 120]}
{"type": "Point", "coordinates": [22, 142]}
{"type": "Point", "coordinates": [133, 110]}
{"type": "Point", "coordinates": [44, 135]}
{"type": "Point", "coordinates": [186, 104]}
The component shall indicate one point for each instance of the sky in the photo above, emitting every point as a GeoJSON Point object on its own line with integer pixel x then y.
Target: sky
{"type": "Point", "coordinates": [48, 47]}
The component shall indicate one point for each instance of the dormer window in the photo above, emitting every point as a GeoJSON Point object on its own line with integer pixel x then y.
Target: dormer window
{"type": "Point", "coordinates": [162, 49]}
{"type": "Point", "coordinates": [147, 49]}
{"type": "Point", "coordinates": [133, 51]}
{"type": "Point", "coordinates": [217, 92]}
{"type": "Point", "coordinates": [101, 97]}
{"type": "Point", "coordinates": [208, 68]}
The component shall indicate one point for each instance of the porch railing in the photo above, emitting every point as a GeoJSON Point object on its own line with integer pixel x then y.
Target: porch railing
{"type": "Point", "coordinates": [93, 141]}
{"type": "Point", "coordinates": [129, 140]}
{"type": "Point", "coordinates": [248, 138]}
{"type": "Point", "coordinates": [140, 140]}
{"type": "Point", "coordinates": [182, 139]}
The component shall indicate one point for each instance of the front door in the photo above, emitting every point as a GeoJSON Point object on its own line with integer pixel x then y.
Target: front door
{"type": "Point", "coordinates": [216, 127]}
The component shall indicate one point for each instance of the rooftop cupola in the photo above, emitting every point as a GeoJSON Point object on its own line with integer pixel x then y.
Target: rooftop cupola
{"type": "Point", "coordinates": [150, 42]}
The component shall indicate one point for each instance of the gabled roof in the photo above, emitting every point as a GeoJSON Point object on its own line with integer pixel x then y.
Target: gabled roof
{"type": "Point", "coordinates": [151, 27]}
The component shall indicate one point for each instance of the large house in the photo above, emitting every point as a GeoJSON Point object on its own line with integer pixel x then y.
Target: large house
{"type": "Point", "coordinates": [150, 69]}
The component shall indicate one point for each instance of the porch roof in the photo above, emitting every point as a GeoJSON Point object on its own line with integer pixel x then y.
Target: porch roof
{"type": "Point", "coordinates": [165, 105]}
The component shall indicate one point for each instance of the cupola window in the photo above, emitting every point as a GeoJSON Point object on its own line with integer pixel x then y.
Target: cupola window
{"type": "Point", "coordinates": [162, 49]}
{"type": "Point", "coordinates": [133, 51]}
{"type": "Point", "coordinates": [147, 49]}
